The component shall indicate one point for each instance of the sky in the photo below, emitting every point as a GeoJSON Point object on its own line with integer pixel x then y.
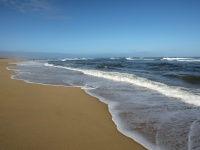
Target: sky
{"type": "Point", "coordinates": [124, 27]}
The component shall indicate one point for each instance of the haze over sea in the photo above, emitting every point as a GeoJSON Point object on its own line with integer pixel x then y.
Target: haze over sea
{"type": "Point", "coordinates": [155, 101]}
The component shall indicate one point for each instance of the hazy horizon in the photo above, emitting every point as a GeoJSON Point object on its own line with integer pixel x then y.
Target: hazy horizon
{"type": "Point", "coordinates": [46, 55]}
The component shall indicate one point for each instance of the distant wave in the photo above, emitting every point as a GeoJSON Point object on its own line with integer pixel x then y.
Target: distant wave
{"type": "Point", "coordinates": [182, 59]}
{"type": "Point", "coordinates": [164, 89]}
{"type": "Point", "coordinates": [114, 58]}
{"type": "Point", "coordinates": [129, 58]}
{"type": "Point", "coordinates": [66, 59]}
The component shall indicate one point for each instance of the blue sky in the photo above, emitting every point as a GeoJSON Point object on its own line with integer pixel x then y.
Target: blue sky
{"type": "Point", "coordinates": [135, 27]}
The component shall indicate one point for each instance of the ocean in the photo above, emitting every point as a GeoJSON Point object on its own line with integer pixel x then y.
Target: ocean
{"type": "Point", "coordinates": [155, 101]}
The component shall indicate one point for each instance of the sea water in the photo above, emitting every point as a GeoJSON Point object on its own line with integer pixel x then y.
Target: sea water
{"type": "Point", "coordinates": [155, 101]}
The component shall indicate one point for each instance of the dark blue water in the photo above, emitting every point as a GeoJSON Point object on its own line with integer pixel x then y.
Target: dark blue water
{"type": "Point", "coordinates": [155, 101]}
{"type": "Point", "coordinates": [172, 71]}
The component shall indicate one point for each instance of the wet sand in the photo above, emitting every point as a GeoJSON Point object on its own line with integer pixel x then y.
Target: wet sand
{"type": "Point", "coordinates": [44, 117]}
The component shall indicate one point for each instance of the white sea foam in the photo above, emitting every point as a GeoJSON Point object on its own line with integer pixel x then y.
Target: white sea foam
{"type": "Point", "coordinates": [182, 59]}
{"type": "Point", "coordinates": [192, 60]}
{"type": "Point", "coordinates": [170, 91]}
{"type": "Point", "coordinates": [114, 58]}
{"type": "Point", "coordinates": [28, 63]}
{"type": "Point", "coordinates": [66, 59]}
{"type": "Point", "coordinates": [129, 58]}
{"type": "Point", "coordinates": [49, 65]}
{"type": "Point", "coordinates": [193, 137]}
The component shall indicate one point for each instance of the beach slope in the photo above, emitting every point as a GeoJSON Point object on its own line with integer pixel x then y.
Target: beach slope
{"type": "Point", "coordinates": [43, 117]}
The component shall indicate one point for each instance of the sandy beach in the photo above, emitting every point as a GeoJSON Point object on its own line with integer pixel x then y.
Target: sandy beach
{"type": "Point", "coordinates": [43, 117]}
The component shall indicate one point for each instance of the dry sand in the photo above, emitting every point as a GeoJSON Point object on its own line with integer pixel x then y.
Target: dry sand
{"type": "Point", "coordinates": [42, 117]}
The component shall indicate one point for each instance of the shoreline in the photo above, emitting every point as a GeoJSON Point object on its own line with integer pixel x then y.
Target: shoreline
{"type": "Point", "coordinates": [37, 116]}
